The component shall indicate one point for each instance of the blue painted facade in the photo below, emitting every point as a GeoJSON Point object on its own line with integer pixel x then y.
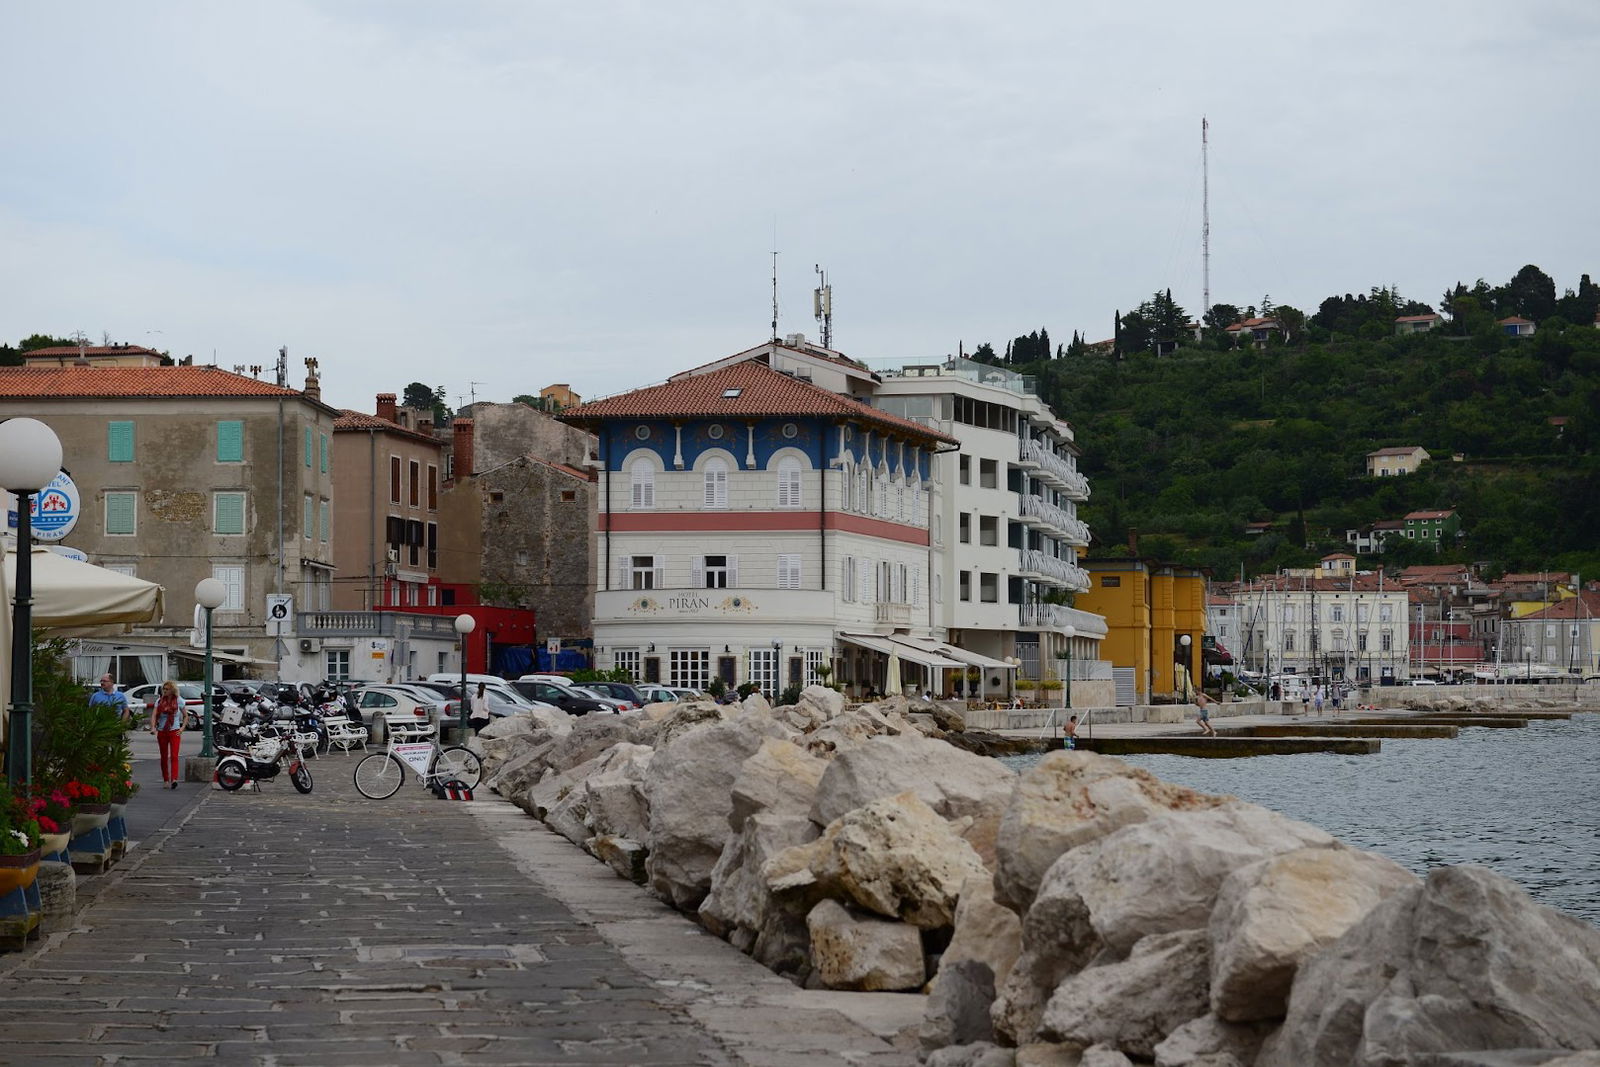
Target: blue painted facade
{"type": "Point", "coordinates": [817, 438]}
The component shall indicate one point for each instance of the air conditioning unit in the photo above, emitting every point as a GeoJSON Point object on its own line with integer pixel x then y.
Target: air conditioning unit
{"type": "Point", "coordinates": [394, 555]}
{"type": "Point", "coordinates": [389, 570]}
{"type": "Point", "coordinates": [310, 644]}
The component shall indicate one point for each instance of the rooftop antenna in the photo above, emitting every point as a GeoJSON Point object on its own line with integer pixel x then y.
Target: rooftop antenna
{"type": "Point", "coordinates": [1205, 216]}
{"type": "Point", "coordinates": [774, 291]}
{"type": "Point", "coordinates": [472, 390]}
{"type": "Point", "coordinates": [283, 367]}
{"type": "Point", "coordinates": [822, 306]}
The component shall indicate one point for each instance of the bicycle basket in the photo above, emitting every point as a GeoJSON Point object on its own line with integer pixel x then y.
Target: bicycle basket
{"type": "Point", "coordinates": [232, 716]}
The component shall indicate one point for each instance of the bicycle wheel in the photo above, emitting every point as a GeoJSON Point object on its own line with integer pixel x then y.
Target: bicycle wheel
{"type": "Point", "coordinates": [459, 763]}
{"type": "Point", "coordinates": [300, 775]}
{"type": "Point", "coordinates": [379, 776]}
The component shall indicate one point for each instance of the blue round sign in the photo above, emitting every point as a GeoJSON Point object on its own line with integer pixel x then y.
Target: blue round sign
{"type": "Point", "coordinates": [55, 509]}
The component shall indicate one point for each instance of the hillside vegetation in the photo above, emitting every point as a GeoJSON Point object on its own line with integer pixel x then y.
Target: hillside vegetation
{"type": "Point", "coordinates": [1189, 446]}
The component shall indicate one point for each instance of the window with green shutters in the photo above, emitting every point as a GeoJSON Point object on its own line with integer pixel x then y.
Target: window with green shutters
{"type": "Point", "coordinates": [325, 522]}
{"type": "Point", "coordinates": [324, 453]}
{"type": "Point", "coordinates": [308, 448]}
{"type": "Point", "coordinates": [230, 441]}
{"type": "Point", "coordinates": [119, 442]}
{"type": "Point", "coordinates": [308, 523]}
{"type": "Point", "coordinates": [121, 510]}
{"type": "Point", "coordinates": [227, 515]}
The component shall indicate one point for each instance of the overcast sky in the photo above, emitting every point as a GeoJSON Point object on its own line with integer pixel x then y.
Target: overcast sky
{"type": "Point", "coordinates": [522, 193]}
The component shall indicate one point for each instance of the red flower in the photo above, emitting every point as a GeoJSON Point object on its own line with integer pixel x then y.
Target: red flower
{"type": "Point", "coordinates": [47, 825]}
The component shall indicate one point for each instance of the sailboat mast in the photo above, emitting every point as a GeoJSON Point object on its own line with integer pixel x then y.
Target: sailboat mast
{"type": "Point", "coordinates": [1205, 216]}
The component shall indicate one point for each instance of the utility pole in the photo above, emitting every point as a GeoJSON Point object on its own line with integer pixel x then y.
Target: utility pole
{"type": "Point", "coordinates": [1205, 216]}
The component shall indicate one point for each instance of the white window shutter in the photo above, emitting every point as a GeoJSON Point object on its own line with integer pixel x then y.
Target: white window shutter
{"type": "Point", "coordinates": [624, 574]}
{"type": "Point", "coordinates": [697, 572]}
{"type": "Point", "coordinates": [916, 588]}
{"type": "Point", "coordinates": [661, 577]}
{"type": "Point", "coordinates": [733, 570]}
{"type": "Point", "coordinates": [869, 591]}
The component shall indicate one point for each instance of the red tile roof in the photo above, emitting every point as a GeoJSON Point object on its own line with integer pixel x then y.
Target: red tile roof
{"type": "Point", "coordinates": [1418, 318]}
{"type": "Point", "coordinates": [1397, 450]}
{"type": "Point", "coordinates": [360, 420]}
{"type": "Point", "coordinates": [130, 382]}
{"type": "Point", "coordinates": [1249, 324]}
{"type": "Point", "coordinates": [1536, 577]}
{"type": "Point", "coordinates": [69, 352]}
{"type": "Point", "coordinates": [1514, 320]}
{"type": "Point", "coordinates": [1423, 516]}
{"type": "Point", "coordinates": [762, 393]}
{"type": "Point", "coordinates": [1585, 605]}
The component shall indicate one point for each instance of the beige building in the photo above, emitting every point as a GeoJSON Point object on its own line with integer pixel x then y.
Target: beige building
{"type": "Point", "coordinates": [387, 516]}
{"type": "Point", "coordinates": [93, 356]}
{"type": "Point", "coordinates": [1389, 462]}
{"type": "Point", "coordinates": [186, 473]}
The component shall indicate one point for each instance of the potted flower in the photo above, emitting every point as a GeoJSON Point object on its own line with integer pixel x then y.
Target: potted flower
{"type": "Point", "coordinates": [90, 810]}
{"type": "Point", "coordinates": [19, 842]}
{"type": "Point", "coordinates": [52, 810]}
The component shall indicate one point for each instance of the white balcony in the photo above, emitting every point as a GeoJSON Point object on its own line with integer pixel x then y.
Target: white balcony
{"type": "Point", "coordinates": [894, 614]}
{"type": "Point", "coordinates": [1050, 616]}
{"type": "Point", "coordinates": [1051, 569]}
{"type": "Point", "coordinates": [1073, 530]}
{"type": "Point", "coordinates": [1053, 468]}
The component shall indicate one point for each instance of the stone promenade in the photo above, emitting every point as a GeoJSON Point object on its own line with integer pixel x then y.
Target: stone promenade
{"type": "Point", "coordinates": [279, 930]}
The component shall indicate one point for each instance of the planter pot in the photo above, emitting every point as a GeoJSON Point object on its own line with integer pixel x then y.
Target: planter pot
{"type": "Point", "coordinates": [119, 808]}
{"type": "Point", "coordinates": [50, 844]}
{"type": "Point", "coordinates": [18, 871]}
{"type": "Point", "coordinates": [88, 817]}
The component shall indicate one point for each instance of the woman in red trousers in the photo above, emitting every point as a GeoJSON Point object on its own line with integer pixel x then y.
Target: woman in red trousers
{"type": "Point", "coordinates": [167, 725]}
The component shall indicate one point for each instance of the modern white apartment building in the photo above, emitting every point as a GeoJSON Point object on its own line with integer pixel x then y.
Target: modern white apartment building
{"type": "Point", "coordinates": [1347, 629]}
{"type": "Point", "coordinates": [1007, 518]}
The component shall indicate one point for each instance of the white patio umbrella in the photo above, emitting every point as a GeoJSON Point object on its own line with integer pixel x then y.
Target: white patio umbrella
{"type": "Point", "coordinates": [891, 680]}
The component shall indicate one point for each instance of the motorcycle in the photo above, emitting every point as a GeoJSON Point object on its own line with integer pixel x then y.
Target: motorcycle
{"type": "Point", "coordinates": [262, 750]}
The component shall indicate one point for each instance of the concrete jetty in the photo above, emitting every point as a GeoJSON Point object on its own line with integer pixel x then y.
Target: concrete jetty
{"type": "Point", "coordinates": [1345, 729]}
{"type": "Point", "coordinates": [1227, 746]}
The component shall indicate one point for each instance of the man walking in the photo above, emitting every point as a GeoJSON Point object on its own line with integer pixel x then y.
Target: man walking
{"type": "Point", "coordinates": [109, 696]}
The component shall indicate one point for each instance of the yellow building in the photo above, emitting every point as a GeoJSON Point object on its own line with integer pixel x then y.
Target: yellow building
{"type": "Point", "coordinates": [1149, 609]}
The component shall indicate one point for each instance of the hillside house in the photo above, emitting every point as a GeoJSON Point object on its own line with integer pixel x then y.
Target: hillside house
{"type": "Point", "coordinates": [1395, 461]}
{"type": "Point", "coordinates": [1417, 323]}
{"type": "Point", "coordinates": [1515, 326]}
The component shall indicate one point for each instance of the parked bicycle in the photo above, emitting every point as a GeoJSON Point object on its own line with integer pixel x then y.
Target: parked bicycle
{"type": "Point", "coordinates": [380, 775]}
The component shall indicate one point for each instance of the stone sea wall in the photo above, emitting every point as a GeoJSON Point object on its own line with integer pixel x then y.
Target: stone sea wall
{"type": "Point", "coordinates": [1082, 912]}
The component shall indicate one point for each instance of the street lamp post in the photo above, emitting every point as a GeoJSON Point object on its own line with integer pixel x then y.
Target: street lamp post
{"type": "Point", "coordinates": [465, 624]}
{"type": "Point", "coordinates": [210, 595]}
{"type": "Point", "coordinates": [1527, 656]}
{"type": "Point", "coordinates": [1184, 642]}
{"type": "Point", "coordinates": [1068, 632]}
{"type": "Point", "coordinates": [30, 458]}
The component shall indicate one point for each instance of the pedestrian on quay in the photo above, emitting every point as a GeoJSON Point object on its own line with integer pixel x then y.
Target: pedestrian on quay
{"type": "Point", "coordinates": [1338, 698]}
{"type": "Point", "coordinates": [1318, 699]}
{"type": "Point", "coordinates": [1305, 701]}
{"type": "Point", "coordinates": [166, 722]}
{"type": "Point", "coordinates": [1203, 702]}
{"type": "Point", "coordinates": [478, 708]}
{"type": "Point", "coordinates": [110, 697]}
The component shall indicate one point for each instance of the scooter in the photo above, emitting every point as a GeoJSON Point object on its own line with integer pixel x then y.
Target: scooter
{"type": "Point", "coordinates": [265, 750]}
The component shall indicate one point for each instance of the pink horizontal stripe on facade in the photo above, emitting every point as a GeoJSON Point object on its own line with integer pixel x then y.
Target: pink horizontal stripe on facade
{"type": "Point", "coordinates": [750, 521]}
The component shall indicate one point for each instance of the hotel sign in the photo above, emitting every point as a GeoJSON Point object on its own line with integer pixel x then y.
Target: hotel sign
{"type": "Point", "coordinates": [691, 604]}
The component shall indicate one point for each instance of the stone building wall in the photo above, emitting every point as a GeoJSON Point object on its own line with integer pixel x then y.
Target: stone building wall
{"type": "Point", "coordinates": [537, 532]}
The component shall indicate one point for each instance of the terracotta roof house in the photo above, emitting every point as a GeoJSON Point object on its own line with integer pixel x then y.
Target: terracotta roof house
{"type": "Point", "coordinates": [1258, 328]}
{"type": "Point", "coordinates": [1417, 323]}
{"type": "Point", "coordinates": [95, 356]}
{"type": "Point", "coordinates": [1515, 326]}
{"type": "Point", "coordinates": [1394, 461]}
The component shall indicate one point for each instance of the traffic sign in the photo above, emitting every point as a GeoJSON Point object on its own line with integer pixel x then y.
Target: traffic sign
{"type": "Point", "coordinates": [280, 614]}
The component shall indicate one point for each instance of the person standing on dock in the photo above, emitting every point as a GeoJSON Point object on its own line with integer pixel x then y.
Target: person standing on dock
{"type": "Point", "coordinates": [1203, 702]}
{"type": "Point", "coordinates": [1319, 696]}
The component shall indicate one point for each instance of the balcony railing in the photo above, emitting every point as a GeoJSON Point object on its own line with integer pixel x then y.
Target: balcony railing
{"type": "Point", "coordinates": [1056, 469]}
{"type": "Point", "coordinates": [1048, 615]}
{"type": "Point", "coordinates": [894, 614]}
{"type": "Point", "coordinates": [372, 624]}
{"type": "Point", "coordinates": [1062, 571]}
{"type": "Point", "coordinates": [1074, 530]}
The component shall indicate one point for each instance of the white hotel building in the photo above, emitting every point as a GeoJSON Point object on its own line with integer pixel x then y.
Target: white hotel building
{"type": "Point", "coordinates": [786, 509]}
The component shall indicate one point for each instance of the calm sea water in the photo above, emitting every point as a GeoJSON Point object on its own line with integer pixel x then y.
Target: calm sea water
{"type": "Point", "coordinates": [1525, 803]}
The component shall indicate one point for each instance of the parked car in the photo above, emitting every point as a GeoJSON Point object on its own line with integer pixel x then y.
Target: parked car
{"type": "Point", "coordinates": [615, 703]}
{"type": "Point", "coordinates": [657, 694]}
{"type": "Point", "coordinates": [620, 691]}
{"type": "Point", "coordinates": [379, 702]}
{"type": "Point", "coordinates": [569, 700]}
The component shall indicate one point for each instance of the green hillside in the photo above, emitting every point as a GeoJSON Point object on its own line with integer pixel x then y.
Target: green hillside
{"type": "Point", "coordinates": [1189, 446]}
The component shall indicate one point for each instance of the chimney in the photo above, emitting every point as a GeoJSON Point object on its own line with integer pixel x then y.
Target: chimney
{"type": "Point", "coordinates": [313, 389]}
{"type": "Point", "coordinates": [386, 407]}
{"type": "Point", "coordinates": [425, 425]}
{"type": "Point", "coordinates": [463, 451]}
{"type": "Point", "coordinates": [1133, 541]}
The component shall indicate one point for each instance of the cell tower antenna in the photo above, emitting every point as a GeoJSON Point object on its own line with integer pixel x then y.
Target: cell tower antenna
{"type": "Point", "coordinates": [1205, 215]}
{"type": "Point", "coordinates": [822, 306]}
{"type": "Point", "coordinates": [774, 293]}
{"type": "Point", "coordinates": [283, 367]}
{"type": "Point", "coordinates": [472, 390]}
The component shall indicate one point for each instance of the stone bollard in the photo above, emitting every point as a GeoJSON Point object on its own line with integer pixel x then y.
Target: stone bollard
{"type": "Point", "coordinates": [200, 769]}
{"type": "Point", "coordinates": [58, 895]}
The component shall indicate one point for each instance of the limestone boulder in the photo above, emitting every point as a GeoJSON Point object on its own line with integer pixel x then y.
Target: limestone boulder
{"type": "Point", "coordinates": [985, 930]}
{"type": "Point", "coordinates": [664, 723]}
{"type": "Point", "coordinates": [779, 777]}
{"type": "Point", "coordinates": [864, 953]}
{"type": "Point", "coordinates": [978, 1054]}
{"type": "Point", "coordinates": [1132, 1005]}
{"type": "Point", "coordinates": [1464, 962]}
{"type": "Point", "coordinates": [959, 998]}
{"type": "Point", "coordinates": [756, 702]}
{"type": "Point", "coordinates": [590, 735]}
{"type": "Point", "coordinates": [1069, 799]}
{"type": "Point", "coordinates": [623, 856]}
{"type": "Point", "coordinates": [688, 789]}
{"type": "Point", "coordinates": [1212, 1042]}
{"type": "Point", "coordinates": [615, 793]}
{"type": "Point", "coordinates": [1103, 1056]}
{"type": "Point", "coordinates": [742, 908]}
{"type": "Point", "coordinates": [895, 857]}
{"type": "Point", "coordinates": [510, 770]}
{"type": "Point", "coordinates": [1274, 913]}
{"type": "Point", "coordinates": [823, 703]}
{"type": "Point", "coordinates": [848, 729]}
{"type": "Point", "coordinates": [956, 784]}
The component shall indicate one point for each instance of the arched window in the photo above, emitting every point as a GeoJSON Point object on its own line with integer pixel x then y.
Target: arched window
{"type": "Point", "coordinates": [642, 475]}
{"type": "Point", "coordinates": [788, 482]}
{"type": "Point", "coordinates": [716, 472]}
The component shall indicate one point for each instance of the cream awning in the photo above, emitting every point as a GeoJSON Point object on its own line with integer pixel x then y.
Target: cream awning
{"type": "Point", "coordinates": [910, 653]}
{"type": "Point", "coordinates": [68, 595]}
{"type": "Point", "coordinates": [961, 657]}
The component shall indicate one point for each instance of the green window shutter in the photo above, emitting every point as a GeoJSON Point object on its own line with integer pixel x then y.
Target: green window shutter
{"type": "Point", "coordinates": [119, 442]}
{"type": "Point", "coordinates": [308, 448]}
{"type": "Point", "coordinates": [230, 441]}
{"type": "Point", "coordinates": [230, 513]}
{"type": "Point", "coordinates": [325, 521]}
{"type": "Point", "coordinates": [119, 513]}
{"type": "Point", "coordinates": [324, 453]}
{"type": "Point", "coordinates": [306, 524]}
